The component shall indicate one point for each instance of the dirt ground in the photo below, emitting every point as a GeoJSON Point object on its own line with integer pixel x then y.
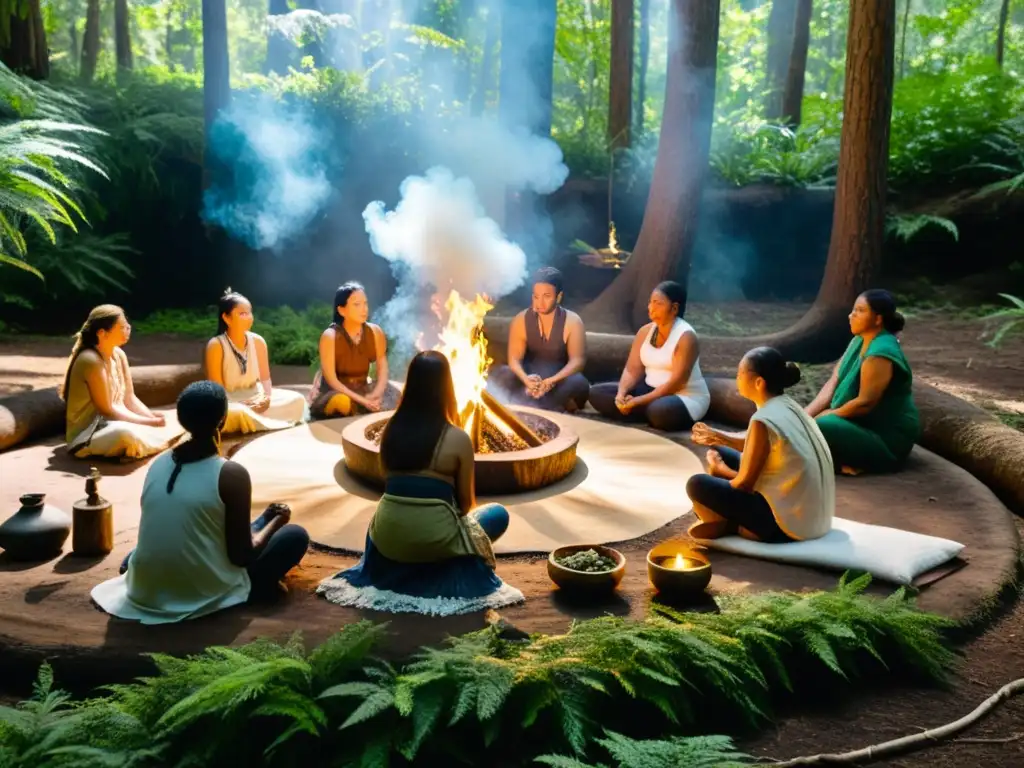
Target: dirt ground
{"type": "Point", "coordinates": [945, 350]}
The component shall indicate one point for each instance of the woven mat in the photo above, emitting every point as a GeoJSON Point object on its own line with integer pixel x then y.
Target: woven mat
{"type": "Point", "coordinates": [627, 483]}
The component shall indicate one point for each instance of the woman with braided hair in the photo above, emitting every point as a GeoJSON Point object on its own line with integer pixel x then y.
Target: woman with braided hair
{"type": "Point", "coordinates": [103, 415]}
{"type": "Point", "coordinates": [197, 551]}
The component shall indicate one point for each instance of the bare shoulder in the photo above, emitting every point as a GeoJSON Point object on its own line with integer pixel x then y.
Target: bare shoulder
{"type": "Point", "coordinates": [520, 318]}
{"type": "Point", "coordinates": [645, 329]}
{"type": "Point", "coordinates": [328, 334]}
{"type": "Point", "coordinates": [260, 341]}
{"type": "Point", "coordinates": [376, 330]}
{"type": "Point", "coordinates": [120, 356]}
{"type": "Point", "coordinates": [457, 439]}
{"type": "Point", "coordinates": [234, 474]}
{"type": "Point", "coordinates": [214, 344]}
{"type": "Point", "coordinates": [573, 320]}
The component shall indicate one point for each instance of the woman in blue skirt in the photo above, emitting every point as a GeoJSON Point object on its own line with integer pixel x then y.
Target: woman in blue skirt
{"type": "Point", "coordinates": [428, 548]}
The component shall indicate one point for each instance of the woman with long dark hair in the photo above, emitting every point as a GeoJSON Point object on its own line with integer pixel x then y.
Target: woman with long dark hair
{"type": "Point", "coordinates": [428, 548]}
{"type": "Point", "coordinates": [103, 415]}
{"type": "Point", "coordinates": [662, 383]}
{"type": "Point", "coordinates": [348, 347]}
{"type": "Point", "coordinates": [197, 551]}
{"type": "Point", "coordinates": [774, 484]}
{"type": "Point", "coordinates": [239, 360]}
{"type": "Point", "coordinates": [866, 409]}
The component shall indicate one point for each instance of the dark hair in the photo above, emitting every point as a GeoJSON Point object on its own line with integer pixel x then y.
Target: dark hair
{"type": "Point", "coordinates": [225, 305]}
{"type": "Point", "coordinates": [427, 406]}
{"type": "Point", "coordinates": [770, 365]}
{"type": "Point", "coordinates": [202, 407]}
{"type": "Point", "coordinates": [674, 292]}
{"type": "Point", "coordinates": [341, 297]}
{"type": "Point", "coordinates": [883, 304]}
{"type": "Point", "coordinates": [549, 276]}
{"type": "Point", "coordinates": [101, 318]}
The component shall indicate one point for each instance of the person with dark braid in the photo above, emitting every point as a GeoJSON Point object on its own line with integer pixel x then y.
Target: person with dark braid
{"type": "Point", "coordinates": [197, 551]}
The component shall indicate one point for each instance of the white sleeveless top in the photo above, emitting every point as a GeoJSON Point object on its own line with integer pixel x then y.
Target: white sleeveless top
{"type": "Point", "coordinates": [241, 386]}
{"type": "Point", "coordinates": [657, 363]}
{"type": "Point", "coordinates": [798, 479]}
{"type": "Point", "coordinates": [180, 568]}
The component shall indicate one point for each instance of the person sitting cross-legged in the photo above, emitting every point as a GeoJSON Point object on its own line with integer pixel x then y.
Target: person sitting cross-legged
{"type": "Point", "coordinates": [197, 551]}
{"type": "Point", "coordinates": [774, 484]}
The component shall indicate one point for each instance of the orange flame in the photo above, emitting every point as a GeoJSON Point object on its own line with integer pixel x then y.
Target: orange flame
{"type": "Point", "coordinates": [462, 341]}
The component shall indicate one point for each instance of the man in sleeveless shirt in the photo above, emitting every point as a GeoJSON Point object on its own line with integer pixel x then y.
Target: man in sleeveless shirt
{"type": "Point", "coordinates": [546, 353]}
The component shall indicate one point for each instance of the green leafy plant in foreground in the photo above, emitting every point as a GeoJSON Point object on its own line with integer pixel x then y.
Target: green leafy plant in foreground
{"type": "Point", "coordinates": [477, 697]}
{"type": "Point", "coordinates": [1013, 316]}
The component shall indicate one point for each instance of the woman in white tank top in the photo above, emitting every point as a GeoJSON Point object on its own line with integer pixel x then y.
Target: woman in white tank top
{"type": "Point", "coordinates": [197, 550]}
{"type": "Point", "coordinates": [238, 360]}
{"type": "Point", "coordinates": [662, 383]}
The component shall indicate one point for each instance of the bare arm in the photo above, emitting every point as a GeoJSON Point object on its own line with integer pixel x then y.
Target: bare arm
{"type": "Point", "coordinates": [576, 346]}
{"type": "Point", "coordinates": [634, 369]}
{"type": "Point", "coordinates": [95, 375]}
{"type": "Point", "coordinates": [465, 480]}
{"type": "Point", "coordinates": [702, 434]}
{"type": "Point", "coordinates": [381, 345]}
{"type": "Point", "coordinates": [517, 346]}
{"type": "Point", "coordinates": [263, 361]}
{"type": "Point", "coordinates": [327, 367]}
{"type": "Point", "coordinates": [824, 398]}
{"type": "Point", "coordinates": [683, 357]}
{"type": "Point", "coordinates": [235, 487]}
{"type": "Point", "coordinates": [755, 454]}
{"type": "Point", "coordinates": [130, 398]}
{"type": "Point", "coordinates": [875, 377]}
{"type": "Point", "coordinates": [213, 361]}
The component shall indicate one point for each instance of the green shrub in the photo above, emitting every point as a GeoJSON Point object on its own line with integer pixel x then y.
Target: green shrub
{"type": "Point", "coordinates": [482, 696]}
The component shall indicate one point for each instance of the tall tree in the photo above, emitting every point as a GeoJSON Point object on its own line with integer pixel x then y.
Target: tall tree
{"type": "Point", "coordinates": [903, 36]}
{"type": "Point", "coordinates": [492, 8]}
{"type": "Point", "coordinates": [90, 41]}
{"type": "Point", "coordinates": [216, 73]}
{"type": "Point", "coordinates": [781, 29]}
{"type": "Point", "coordinates": [620, 85]}
{"type": "Point", "coordinates": [858, 221]}
{"type": "Point", "coordinates": [793, 93]}
{"type": "Point", "coordinates": [122, 35]}
{"type": "Point", "coordinates": [645, 60]}
{"type": "Point", "coordinates": [1004, 14]}
{"type": "Point", "coordinates": [669, 227]}
{"type": "Point", "coordinates": [23, 39]}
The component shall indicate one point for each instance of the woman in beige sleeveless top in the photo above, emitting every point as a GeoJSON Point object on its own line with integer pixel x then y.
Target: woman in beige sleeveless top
{"type": "Point", "coordinates": [348, 348]}
{"type": "Point", "coordinates": [103, 416]}
{"type": "Point", "coordinates": [239, 360]}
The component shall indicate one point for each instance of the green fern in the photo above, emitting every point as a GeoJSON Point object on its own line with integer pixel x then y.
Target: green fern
{"type": "Point", "coordinates": [907, 227]}
{"type": "Point", "coordinates": [692, 752]}
{"type": "Point", "coordinates": [1014, 316]}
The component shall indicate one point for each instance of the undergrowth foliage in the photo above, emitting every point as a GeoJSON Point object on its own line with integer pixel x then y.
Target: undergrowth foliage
{"type": "Point", "coordinates": [571, 697]}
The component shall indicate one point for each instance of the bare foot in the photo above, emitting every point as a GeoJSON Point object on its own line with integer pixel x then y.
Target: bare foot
{"type": "Point", "coordinates": [713, 530]}
{"type": "Point", "coordinates": [850, 471]}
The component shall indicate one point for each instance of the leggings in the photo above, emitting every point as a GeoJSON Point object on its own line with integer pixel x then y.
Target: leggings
{"type": "Point", "coordinates": [282, 553]}
{"type": "Point", "coordinates": [747, 510]}
{"type": "Point", "coordinates": [668, 413]}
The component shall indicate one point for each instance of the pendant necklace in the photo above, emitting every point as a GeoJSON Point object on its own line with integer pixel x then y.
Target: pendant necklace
{"type": "Point", "coordinates": [243, 360]}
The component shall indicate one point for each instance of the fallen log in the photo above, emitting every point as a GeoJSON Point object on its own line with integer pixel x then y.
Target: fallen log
{"type": "Point", "coordinates": [40, 413]}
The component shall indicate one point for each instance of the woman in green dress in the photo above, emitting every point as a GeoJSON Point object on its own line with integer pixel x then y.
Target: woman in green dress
{"type": "Point", "coordinates": [866, 409]}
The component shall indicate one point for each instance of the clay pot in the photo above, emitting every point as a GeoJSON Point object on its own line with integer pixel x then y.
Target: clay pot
{"type": "Point", "coordinates": [687, 581]}
{"type": "Point", "coordinates": [581, 581]}
{"type": "Point", "coordinates": [37, 531]}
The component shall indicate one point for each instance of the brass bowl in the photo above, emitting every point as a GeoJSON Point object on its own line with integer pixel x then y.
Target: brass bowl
{"type": "Point", "coordinates": [581, 581]}
{"type": "Point", "coordinates": [671, 581]}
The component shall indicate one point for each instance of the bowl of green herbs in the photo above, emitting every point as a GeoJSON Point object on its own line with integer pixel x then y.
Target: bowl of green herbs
{"type": "Point", "coordinates": [589, 568]}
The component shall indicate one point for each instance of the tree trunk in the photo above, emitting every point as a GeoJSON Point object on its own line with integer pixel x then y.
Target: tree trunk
{"type": "Point", "coordinates": [1004, 14]}
{"type": "Point", "coordinates": [668, 231]}
{"type": "Point", "coordinates": [781, 28]}
{"type": "Point", "coordinates": [73, 51]}
{"type": "Point", "coordinates": [216, 75]}
{"type": "Point", "coordinates": [620, 90]}
{"type": "Point", "coordinates": [493, 30]}
{"type": "Point", "coordinates": [793, 95]}
{"type": "Point", "coordinates": [90, 41]}
{"type": "Point", "coordinates": [278, 47]}
{"type": "Point", "coordinates": [122, 35]}
{"type": "Point", "coordinates": [858, 221]}
{"type": "Point", "coordinates": [645, 58]}
{"type": "Point", "coordinates": [23, 49]}
{"type": "Point", "coordinates": [903, 37]}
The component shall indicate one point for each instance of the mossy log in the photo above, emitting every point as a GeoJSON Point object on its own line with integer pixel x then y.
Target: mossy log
{"type": "Point", "coordinates": [38, 414]}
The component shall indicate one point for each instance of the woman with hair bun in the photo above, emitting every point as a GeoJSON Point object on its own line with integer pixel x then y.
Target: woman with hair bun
{"type": "Point", "coordinates": [102, 414]}
{"type": "Point", "coordinates": [776, 483]}
{"type": "Point", "coordinates": [239, 360]}
{"type": "Point", "coordinates": [866, 409]}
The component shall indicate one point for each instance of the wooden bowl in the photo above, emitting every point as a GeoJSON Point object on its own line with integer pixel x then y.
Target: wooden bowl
{"type": "Point", "coordinates": [581, 581]}
{"type": "Point", "coordinates": [673, 582]}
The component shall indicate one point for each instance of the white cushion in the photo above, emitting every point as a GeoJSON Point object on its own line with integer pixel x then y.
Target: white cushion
{"type": "Point", "coordinates": [886, 553]}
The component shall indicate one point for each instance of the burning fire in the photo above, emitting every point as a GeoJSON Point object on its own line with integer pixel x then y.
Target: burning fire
{"type": "Point", "coordinates": [462, 341]}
